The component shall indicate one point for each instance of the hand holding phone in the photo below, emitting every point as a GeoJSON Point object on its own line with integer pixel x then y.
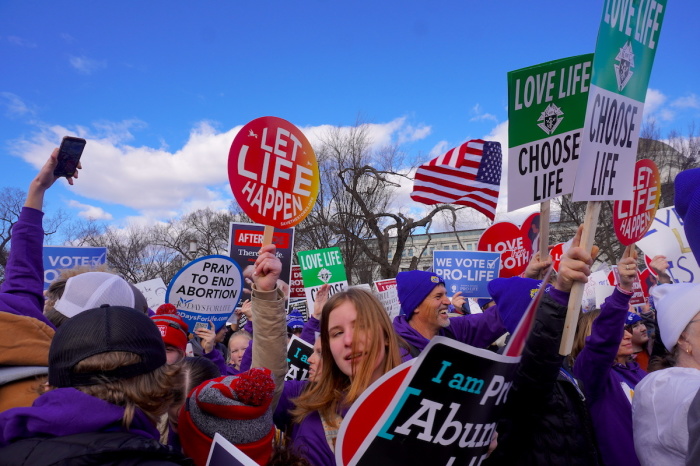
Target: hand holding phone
{"type": "Point", "coordinates": [69, 156]}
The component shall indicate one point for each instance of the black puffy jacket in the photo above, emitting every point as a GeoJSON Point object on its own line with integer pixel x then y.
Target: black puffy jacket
{"type": "Point", "coordinates": [546, 421]}
{"type": "Point", "coordinates": [112, 448]}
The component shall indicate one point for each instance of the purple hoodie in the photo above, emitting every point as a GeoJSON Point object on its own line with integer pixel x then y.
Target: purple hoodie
{"type": "Point", "coordinates": [67, 411]}
{"type": "Point", "coordinates": [610, 405]}
{"type": "Point", "coordinates": [22, 292]}
{"type": "Point", "coordinates": [478, 330]}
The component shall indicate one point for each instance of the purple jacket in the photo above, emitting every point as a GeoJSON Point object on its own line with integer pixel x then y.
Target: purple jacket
{"type": "Point", "coordinates": [610, 406]}
{"type": "Point", "coordinates": [292, 389]}
{"type": "Point", "coordinates": [309, 440]}
{"type": "Point", "coordinates": [478, 330]}
{"type": "Point", "coordinates": [67, 411]}
{"type": "Point", "coordinates": [22, 292]}
{"type": "Point", "coordinates": [217, 358]}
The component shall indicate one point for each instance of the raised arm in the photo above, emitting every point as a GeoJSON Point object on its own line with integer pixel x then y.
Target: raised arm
{"type": "Point", "coordinates": [270, 348]}
{"type": "Point", "coordinates": [598, 355]}
{"type": "Point", "coordinates": [23, 288]}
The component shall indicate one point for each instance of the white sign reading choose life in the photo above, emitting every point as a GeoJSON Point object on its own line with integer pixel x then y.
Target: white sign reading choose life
{"type": "Point", "coordinates": [206, 290]}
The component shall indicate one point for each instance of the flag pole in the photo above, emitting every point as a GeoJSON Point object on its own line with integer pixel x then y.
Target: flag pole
{"type": "Point", "coordinates": [590, 223]}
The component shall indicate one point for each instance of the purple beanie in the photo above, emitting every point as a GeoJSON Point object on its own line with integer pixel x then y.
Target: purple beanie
{"type": "Point", "coordinates": [687, 201]}
{"type": "Point", "coordinates": [413, 287]}
{"type": "Point", "coordinates": [512, 296]}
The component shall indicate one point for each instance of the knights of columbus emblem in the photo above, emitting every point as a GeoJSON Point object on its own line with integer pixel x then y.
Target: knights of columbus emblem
{"type": "Point", "coordinates": [623, 69]}
{"type": "Point", "coordinates": [550, 118]}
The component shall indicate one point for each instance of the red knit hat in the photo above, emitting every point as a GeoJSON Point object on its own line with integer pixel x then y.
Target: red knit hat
{"type": "Point", "coordinates": [237, 407]}
{"type": "Point", "coordinates": [172, 328]}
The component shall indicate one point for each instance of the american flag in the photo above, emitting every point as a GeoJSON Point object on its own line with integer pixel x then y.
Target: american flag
{"type": "Point", "coordinates": [467, 175]}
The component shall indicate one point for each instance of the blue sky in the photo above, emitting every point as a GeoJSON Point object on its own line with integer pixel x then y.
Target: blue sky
{"type": "Point", "coordinates": [160, 88]}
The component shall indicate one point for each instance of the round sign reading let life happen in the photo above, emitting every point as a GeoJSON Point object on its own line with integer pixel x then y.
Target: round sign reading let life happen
{"type": "Point", "coordinates": [273, 172]}
{"type": "Point", "coordinates": [206, 290]}
{"type": "Point", "coordinates": [632, 219]}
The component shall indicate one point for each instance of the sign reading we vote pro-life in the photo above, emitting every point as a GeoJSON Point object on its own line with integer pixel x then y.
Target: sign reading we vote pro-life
{"type": "Point", "coordinates": [468, 272]}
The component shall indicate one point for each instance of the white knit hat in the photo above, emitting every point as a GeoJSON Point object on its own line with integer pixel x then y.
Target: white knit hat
{"type": "Point", "coordinates": [93, 289]}
{"type": "Point", "coordinates": [676, 304]}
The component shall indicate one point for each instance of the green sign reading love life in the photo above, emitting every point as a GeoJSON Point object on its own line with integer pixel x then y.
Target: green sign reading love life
{"type": "Point", "coordinates": [628, 39]}
{"type": "Point", "coordinates": [546, 112]}
{"type": "Point", "coordinates": [319, 267]}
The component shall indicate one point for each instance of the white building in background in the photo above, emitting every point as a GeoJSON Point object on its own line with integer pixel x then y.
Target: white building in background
{"type": "Point", "coordinates": [422, 246]}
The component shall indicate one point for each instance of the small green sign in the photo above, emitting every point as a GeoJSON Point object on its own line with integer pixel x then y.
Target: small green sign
{"type": "Point", "coordinates": [321, 266]}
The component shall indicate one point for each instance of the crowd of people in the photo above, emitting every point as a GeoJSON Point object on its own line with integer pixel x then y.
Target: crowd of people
{"type": "Point", "coordinates": [90, 375]}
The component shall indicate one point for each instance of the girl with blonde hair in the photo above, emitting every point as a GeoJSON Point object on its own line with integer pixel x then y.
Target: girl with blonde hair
{"type": "Point", "coordinates": [358, 346]}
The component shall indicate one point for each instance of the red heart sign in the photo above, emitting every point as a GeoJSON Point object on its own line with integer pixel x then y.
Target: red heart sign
{"type": "Point", "coordinates": [513, 242]}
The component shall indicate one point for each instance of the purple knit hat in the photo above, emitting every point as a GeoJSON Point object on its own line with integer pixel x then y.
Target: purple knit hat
{"type": "Point", "coordinates": [413, 287]}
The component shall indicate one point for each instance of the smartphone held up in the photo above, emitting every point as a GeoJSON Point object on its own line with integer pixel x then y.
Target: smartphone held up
{"type": "Point", "coordinates": [69, 156]}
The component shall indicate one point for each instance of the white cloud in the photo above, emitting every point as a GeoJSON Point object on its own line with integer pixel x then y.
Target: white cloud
{"type": "Point", "coordinates": [480, 115]}
{"type": "Point", "coordinates": [142, 178]}
{"type": "Point", "coordinates": [411, 133]}
{"type": "Point", "coordinates": [15, 106]}
{"type": "Point", "coordinates": [89, 211]}
{"type": "Point", "coordinates": [689, 101]}
{"type": "Point", "coordinates": [666, 114]}
{"type": "Point", "coordinates": [439, 149]}
{"type": "Point", "coordinates": [654, 101]}
{"type": "Point", "coordinates": [380, 134]}
{"type": "Point", "coordinates": [86, 65]}
{"type": "Point", "coordinates": [161, 183]}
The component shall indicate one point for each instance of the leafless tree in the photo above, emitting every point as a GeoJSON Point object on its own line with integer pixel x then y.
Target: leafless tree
{"type": "Point", "coordinates": [353, 209]}
{"type": "Point", "coordinates": [143, 253]}
{"type": "Point", "coordinates": [672, 155]}
{"type": "Point", "coordinates": [11, 202]}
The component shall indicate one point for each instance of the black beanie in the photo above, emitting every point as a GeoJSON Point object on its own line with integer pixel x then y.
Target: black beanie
{"type": "Point", "coordinates": [103, 330]}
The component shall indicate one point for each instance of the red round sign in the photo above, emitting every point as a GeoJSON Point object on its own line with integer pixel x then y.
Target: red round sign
{"type": "Point", "coordinates": [633, 218]}
{"type": "Point", "coordinates": [273, 172]}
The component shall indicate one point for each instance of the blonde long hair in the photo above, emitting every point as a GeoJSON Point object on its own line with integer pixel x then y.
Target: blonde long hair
{"type": "Point", "coordinates": [583, 331]}
{"type": "Point", "coordinates": [335, 390]}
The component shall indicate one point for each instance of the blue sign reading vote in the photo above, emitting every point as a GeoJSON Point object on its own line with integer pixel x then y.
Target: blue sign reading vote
{"type": "Point", "coordinates": [467, 271]}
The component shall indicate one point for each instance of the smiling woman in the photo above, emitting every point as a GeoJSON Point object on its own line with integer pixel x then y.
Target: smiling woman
{"type": "Point", "coordinates": [358, 345]}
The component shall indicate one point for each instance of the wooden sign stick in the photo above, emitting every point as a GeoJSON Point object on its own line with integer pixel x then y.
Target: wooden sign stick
{"type": "Point", "coordinates": [544, 231]}
{"type": "Point", "coordinates": [267, 235]}
{"type": "Point", "coordinates": [590, 223]}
